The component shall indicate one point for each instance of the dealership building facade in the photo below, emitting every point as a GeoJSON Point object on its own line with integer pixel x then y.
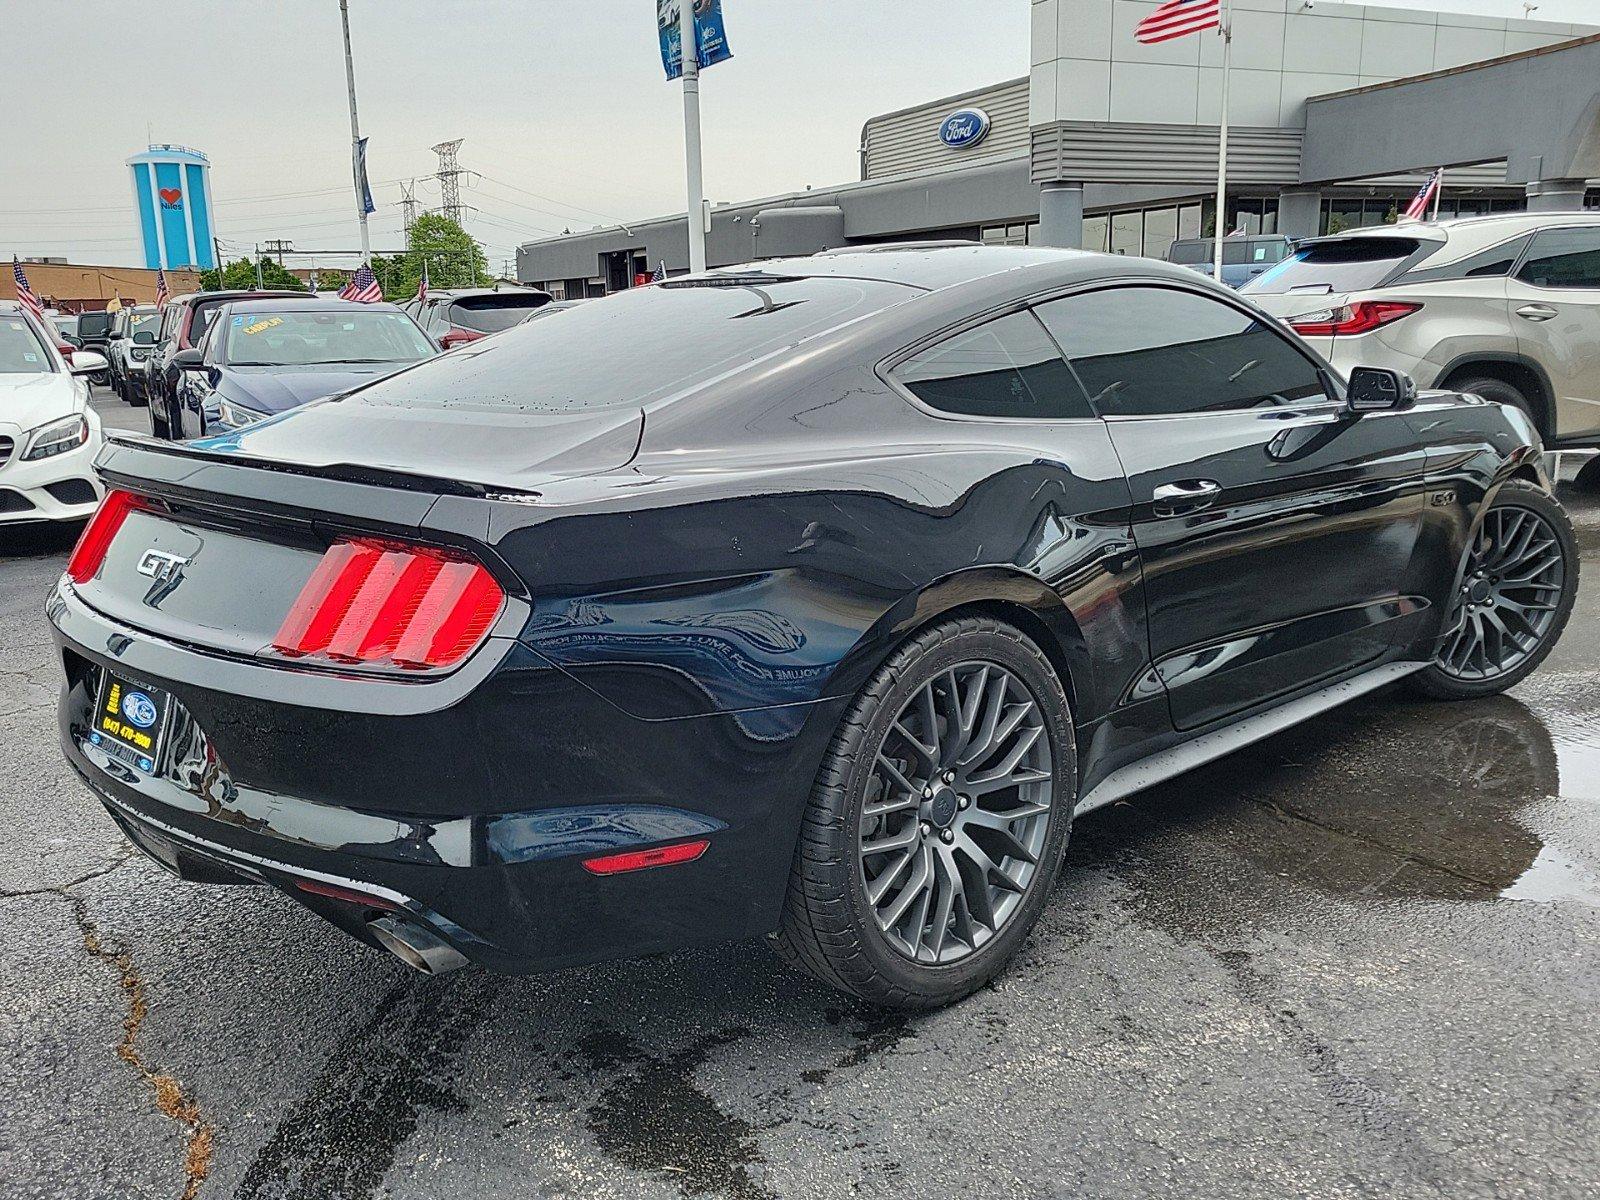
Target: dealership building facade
{"type": "Point", "coordinates": [1336, 113]}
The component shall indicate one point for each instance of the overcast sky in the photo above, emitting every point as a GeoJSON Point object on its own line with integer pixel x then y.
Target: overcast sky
{"type": "Point", "coordinates": [564, 107]}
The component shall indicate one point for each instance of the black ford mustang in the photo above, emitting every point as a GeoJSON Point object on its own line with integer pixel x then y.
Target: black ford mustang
{"type": "Point", "coordinates": [808, 599]}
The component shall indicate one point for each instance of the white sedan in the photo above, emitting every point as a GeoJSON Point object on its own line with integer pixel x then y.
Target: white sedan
{"type": "Point", "coordinates": [48, 433]}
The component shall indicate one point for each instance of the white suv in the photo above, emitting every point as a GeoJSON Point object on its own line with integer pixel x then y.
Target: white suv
{"type": "Point", "coordinates": [1506, 306]}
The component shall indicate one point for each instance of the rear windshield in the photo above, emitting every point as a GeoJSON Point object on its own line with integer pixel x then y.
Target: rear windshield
{"type": "Point", "coordinates": [1190, 253]}
{"type": "Point", "coordinates": [491, 314]}
{"type": "Point", "coordinates": [298, 339]}
{"type": "Point", "coordinates": [635, 347]}
{"type": "Point", "coordinates": [1341, 265]}
{"type": "Point", "coordinates": [93, 324]}
{"type": "Point", "coordinates": [21, 352]}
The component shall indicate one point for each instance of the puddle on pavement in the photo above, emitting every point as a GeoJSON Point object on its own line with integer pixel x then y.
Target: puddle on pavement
{"type": "Point", "coordinates": [1386, 798]}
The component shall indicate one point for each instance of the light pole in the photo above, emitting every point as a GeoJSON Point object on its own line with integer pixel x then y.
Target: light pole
{"type": "Point", "coordinates": [689, 52]}
{"type": "Point", "coordinates": [355, 134]}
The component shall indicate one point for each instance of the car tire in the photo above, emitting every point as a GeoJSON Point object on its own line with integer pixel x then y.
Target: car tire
{"type": "Point", "coordinates": [1518, 508]}
{"type": "Point", "coordinates": [832, 927]}
{"type": "Point", "coordinates": [1588, 477]}
{"type": "Point", "coordinates": [158, 419]}
{"type": "Point", "coordinates": [1499, 391]}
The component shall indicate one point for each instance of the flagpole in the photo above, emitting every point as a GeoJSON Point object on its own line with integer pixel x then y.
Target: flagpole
{"type": "Point", "coordinates": [1222, 141]}
{"type": "Point", "coordinates": [355, 132]}
{"type": "Point", "coordinates": [1438, 191]}
{"type": "Point", "coordinates": [689, 55]}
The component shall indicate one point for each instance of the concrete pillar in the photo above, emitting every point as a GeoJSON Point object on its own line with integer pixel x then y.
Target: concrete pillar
{"type": "Point", "coordinates": [1556, 195]}
{"type": "Point", "coordinates": [1300, 213]}
{"type": "Point", "coordinates": [1061, 214]}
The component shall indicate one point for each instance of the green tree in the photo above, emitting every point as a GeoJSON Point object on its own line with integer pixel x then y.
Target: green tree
{"type": "Point", "coordinates": [453, 258]}
{"type": "Point", "coordinates": [241, 275]}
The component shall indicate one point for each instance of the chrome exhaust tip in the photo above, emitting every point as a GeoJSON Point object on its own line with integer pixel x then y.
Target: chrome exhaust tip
{"type": "Point", "coordinates": [416, 947]}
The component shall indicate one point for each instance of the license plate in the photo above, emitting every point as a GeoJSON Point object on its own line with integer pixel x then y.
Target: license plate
{"type": "Point", "coordinates": [129, 722]}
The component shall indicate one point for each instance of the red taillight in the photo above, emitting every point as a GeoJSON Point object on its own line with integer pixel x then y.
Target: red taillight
{"type": "Point", "coordinates": [638, 860]}
{"type": "Point", "coordinates": [95, 540]}
{"type": "Point", "coordinates": [1361, 317]}
{"type": "Point", "coordinates": [412, 607]}
{"type": "Point", "coordinates": [458, 337]}
{"type": "Point", "coordinates": [66, 349]}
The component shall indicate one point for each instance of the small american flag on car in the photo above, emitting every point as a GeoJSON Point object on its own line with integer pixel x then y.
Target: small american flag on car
{"type": "Point", "coordinates": [162, 295]}
{"type": "Point", "coordinates": [25, 293]}
{"type": "Point", "coordinates": [363, 287]}
{"type": "Point", "coordinates": [1417, 210]}
{"type": "Point", "coordinates": [1178, 18]}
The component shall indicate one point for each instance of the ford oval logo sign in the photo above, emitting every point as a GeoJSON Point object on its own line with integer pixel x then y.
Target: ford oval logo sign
{"type": "Point", "coordinates": [139, 709]}
{"type": "Point", "coordinates": [964, 127]}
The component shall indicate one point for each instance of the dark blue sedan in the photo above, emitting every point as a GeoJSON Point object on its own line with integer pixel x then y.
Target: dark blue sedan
{"type": "Point", "coordinates": [262, 357]}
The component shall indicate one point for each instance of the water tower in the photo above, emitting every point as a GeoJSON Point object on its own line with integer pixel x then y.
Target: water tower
{"type": "Point", "coordinates": [172, 193]}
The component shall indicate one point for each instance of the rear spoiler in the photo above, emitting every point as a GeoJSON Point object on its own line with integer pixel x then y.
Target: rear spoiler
{"type": "Point", "coordinates": [130, 448]}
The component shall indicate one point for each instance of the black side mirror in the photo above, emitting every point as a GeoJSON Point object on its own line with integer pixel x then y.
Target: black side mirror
{"type": "Point", "coordinates": [189, 360]}
{"type": "Point", "coordinates": [1378, 389]}
{"type": "Point", "coordinates": [144, 338]}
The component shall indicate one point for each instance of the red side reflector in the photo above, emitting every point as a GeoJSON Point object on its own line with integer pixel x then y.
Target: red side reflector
{"type": "Point", "coordinates": [96, 537]}
{"type": "Point", "coordinates": [393, 605]}
{"type": "Point", "coordinates": [348, 895]}
{"type": "Point", "coordinates": [638, 860]}
{"type": "Point", "coordinates": [1361, 317]}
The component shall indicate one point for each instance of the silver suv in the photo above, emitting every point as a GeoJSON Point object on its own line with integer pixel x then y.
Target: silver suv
{"type": "Point", "coordinates": [1506, 306]}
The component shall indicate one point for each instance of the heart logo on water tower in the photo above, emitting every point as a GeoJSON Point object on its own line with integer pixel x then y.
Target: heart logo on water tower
{"type": "Point", "coordinates": [171, 197]}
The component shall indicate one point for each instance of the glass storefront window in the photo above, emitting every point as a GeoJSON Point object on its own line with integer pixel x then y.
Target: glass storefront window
{"type": "Point", "coordinates": [1160, 230]}
{"type": "Point", "coordinates": [1127, 232]}
{"type": "Point", "coordinates": [1189, 221]}
{"type": "Point", "coordinates": [1095, 230]}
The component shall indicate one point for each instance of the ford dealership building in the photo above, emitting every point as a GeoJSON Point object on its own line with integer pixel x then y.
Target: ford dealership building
{"type": "Point", "coordinates": [1336, 114]}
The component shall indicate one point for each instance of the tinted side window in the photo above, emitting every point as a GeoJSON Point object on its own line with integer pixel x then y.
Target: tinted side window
{"type": "Point", "coordinates": [1146, 351]}
{"type": "Point", "coordinates": [1495, 261]}
{"type": "Point", "coordinates": [1007, 367]}
{"type": "Point", "coordinates": [1563, 258]}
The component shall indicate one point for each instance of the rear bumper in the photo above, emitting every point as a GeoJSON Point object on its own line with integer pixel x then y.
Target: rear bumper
{"type": "Point", "coordinates": [467, 806]}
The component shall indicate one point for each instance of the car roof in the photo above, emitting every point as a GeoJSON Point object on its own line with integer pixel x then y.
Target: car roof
{"type": "Point", "coordinates": [233, 294]}
{"type": "Point", "coordinates": [1507, 224]}
{"type": "Point", "coordinates": [470, 293]}
{"type": "Point", "coordinates": [932, 267]}
{"type": "Point", "coordinates": [300, 302]}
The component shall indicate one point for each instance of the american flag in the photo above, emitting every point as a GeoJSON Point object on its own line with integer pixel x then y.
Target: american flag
{"type": "Point", "coordinates": [1417, 210]}
{"type": "Point", "coordinates": [25, 293]}
{"type": "Point", "coordinates": [1178, 18]}
{"type": "Point", "coordinates": [162, 295]}
{"type": "Point", "coordinates": [363, 287]}
{"type": "Point", "coordinates": [661, 272]}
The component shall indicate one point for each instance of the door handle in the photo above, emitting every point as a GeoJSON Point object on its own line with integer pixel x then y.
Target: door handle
{"type": "Point", "coordinates": [1188, 496]}
{"type": "Point", "coordinates": [1537, 312]}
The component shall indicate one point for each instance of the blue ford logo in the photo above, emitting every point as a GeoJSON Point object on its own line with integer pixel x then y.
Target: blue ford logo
{"type": "Point", "coordinates": [964, 127]}
{"type": "Point", "coordinates": [139, 709]}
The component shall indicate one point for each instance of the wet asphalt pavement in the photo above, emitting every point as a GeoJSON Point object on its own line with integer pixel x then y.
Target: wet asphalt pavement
{"type": "Point", "coordinates": [1359, 959]}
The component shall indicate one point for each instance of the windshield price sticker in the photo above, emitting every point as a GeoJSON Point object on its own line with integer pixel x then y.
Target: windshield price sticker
{"type": "Point", "coordinates": [269, 323]}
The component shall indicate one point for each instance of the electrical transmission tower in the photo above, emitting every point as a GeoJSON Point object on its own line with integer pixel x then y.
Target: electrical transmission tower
{"type": "Point", "coordinates": [408, 207]}
{"type": "Point", "coordinates": [449, 178]}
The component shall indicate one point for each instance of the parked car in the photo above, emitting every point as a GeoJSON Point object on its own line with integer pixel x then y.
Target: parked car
{"type": "Point", "coordinates": [183, 321]}
{"type": "Point", "coordinates": [821, 623]}
{"type": "Point", "coordinates": [63, 328]}
{"type": "Point", "coordinates": [130, 343]}
{"type": "Point", "coordinates": [48, 433]}
{"type": "Point", "coordinates": [1243, 258]}
{"type": "Point", "coordinates": [94, 333]}
{"type": "Point", "coordinates": [259, 358]}
{"type": "Point", "coordinates": [458, 316]}
{"type": "Point", "coordinates": [1506, 307]}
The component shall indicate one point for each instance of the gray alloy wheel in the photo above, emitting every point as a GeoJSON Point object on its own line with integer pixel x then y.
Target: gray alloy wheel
{"type": "Point", "coordinates": [1507, 602]}
{"type": "Point", "coordinates": [1515, 594]}
{"type": "Point", "coordinates": [955, 814]}
{"type": "Point", "coordinates": [938, 821]}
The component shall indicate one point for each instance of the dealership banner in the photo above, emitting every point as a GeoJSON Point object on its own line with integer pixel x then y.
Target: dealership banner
{"type": "Point", "coordinates": [707, 28]}
{"type": "Point", "coordinates": [363, 189]}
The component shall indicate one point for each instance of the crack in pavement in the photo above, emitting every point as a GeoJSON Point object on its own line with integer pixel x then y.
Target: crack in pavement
{"type": "Point", "coordinates": [172, 1100]}
{"type": "Point", "coordinates": [61, 889]}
